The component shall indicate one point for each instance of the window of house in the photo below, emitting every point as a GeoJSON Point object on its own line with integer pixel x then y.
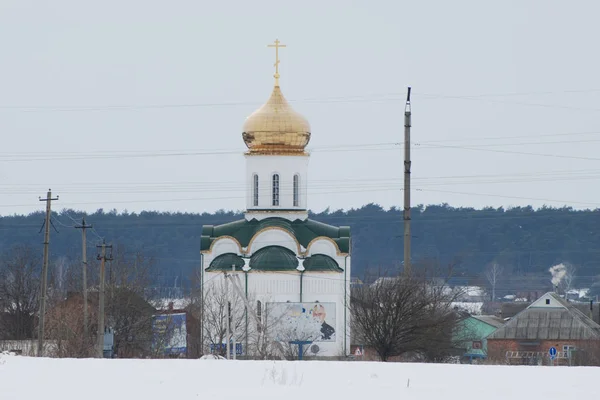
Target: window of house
{"type": "Point", "coordinates": [547, 301]}
{"type": "Point", "coordinates": [276, 189]}
{"type": "Point", "coordinates": [296, 190]}
{"type": "Point", "coordinates": [255, 190]}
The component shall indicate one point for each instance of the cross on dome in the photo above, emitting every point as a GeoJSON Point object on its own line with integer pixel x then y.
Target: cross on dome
{"type": "Point", "coordinates": [277, 45]}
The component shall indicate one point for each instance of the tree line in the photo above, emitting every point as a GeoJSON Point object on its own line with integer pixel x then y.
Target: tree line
{"type": "Point", "coordinates": [524, 240]}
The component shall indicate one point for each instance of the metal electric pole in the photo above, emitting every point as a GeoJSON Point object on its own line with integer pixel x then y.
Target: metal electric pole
{"type": "Point", "coordinates": [228, 316]}
{"type": "Point", "coordinates": [103, 258]}
{"type": "Point", "coordinates": [83, 227]}
{"type": "Point", "coordinates": [48, 200]}
{"type": "Point", "coordinates": [233, 341]}
{"type": "Point", "coordinates": [407, 164]}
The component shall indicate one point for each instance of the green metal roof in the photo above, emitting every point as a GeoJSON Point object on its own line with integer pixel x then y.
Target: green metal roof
{"type": "Point", "coordinates": [321, 262]}
{"type": "Point", "coordinates": [274, 258]}
{"type": "Point", "coordinates": [304, 231]}
{"type": "Point", "coordinates": [225, 261]}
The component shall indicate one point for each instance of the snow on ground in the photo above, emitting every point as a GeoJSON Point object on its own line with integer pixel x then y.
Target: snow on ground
{"type": "Point", "coordinates": [24, 378]}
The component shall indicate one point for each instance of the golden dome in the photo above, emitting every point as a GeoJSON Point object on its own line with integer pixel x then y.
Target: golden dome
{"type": "Point", "coordinates": [276, 128]}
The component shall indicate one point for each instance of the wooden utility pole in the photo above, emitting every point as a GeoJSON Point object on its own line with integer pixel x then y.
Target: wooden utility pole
{"type": "Point", "coordinates": [406, 216]}
{"type": "Point", "coordinates": [103, 258]}
{"type": "Point", "coordinates": [48, 200]}
{"type": "Point", "coordinates": [83, 227]}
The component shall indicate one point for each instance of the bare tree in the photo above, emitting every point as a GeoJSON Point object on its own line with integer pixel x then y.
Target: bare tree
{"type": "Point", "coordinates": [568, 278]}
{"type": "Point", "coordinates": [492, 274]}
{"type": "Point", "coordinates": [251, 327]}
{"type": "Point", "coordinates": [19, 291]}
{"type": "Point", "coordinates": [64, 315]}
{"type": "Point", "coordinates": [214, 323]}
{"type": "Point", "coordinates": [410, 314]}
{"type": "Point", "coordinates": [128, 307]}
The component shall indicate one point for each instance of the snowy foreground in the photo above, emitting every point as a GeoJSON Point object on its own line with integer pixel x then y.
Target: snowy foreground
{"type": "Point", "coordinates": [26, 378]}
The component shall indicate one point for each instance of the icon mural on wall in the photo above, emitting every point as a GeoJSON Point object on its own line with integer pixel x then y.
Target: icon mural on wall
{"type": "Point", "coordinates": [302, 321]}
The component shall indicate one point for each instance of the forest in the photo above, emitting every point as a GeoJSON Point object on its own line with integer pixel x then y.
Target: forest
{"type": "Point", "coordinates": [525, 241]}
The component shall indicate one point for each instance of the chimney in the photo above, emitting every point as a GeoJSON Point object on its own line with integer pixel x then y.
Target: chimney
{"type": "Point", "coordinates": [591, 309]}
{"type": "Point", "coordinates": [170, 306]}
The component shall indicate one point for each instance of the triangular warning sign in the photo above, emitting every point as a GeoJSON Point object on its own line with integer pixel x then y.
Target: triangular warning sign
{"type": "Point", "coordinates": [357, 352]}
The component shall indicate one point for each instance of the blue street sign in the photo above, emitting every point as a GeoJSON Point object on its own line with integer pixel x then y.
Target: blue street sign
{"type": "Point", "coordinates": [552, 353]}
{"type": "Point", "coordinates": [222, 348]}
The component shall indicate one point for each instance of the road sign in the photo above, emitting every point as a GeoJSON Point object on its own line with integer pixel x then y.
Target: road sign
{"type": "Point", "coordinates": [552, 353]}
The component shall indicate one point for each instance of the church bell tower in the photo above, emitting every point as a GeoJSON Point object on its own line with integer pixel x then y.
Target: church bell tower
{"type": "Point", "coordinates": [276, 160]}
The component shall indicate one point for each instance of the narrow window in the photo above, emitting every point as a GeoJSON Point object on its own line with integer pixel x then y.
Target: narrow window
{"type": "Point", "coordinates": [230, 314]}
{"type": "Point", "coordinates": [296, 190]}
{"type": "Point", "coordinates": [259, 315]}
{"type": "Point", "coordinates": [276, 189]}
{"type": "Point", "coordinates": [255, 191]}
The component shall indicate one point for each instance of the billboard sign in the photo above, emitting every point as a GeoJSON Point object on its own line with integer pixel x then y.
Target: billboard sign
{"type": "Point", "coordinates": [302, 321]}
{"type": "Point", "coordinates": [170, 333]}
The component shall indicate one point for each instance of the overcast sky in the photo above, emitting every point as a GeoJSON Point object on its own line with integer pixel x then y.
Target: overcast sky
{"type": "Point", "coordinates": [139, 104]}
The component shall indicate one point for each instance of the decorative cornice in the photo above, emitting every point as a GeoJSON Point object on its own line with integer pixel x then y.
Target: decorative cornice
{"type": "Point", "coordinates": [273, 152]}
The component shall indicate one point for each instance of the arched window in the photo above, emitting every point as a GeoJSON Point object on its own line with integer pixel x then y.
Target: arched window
{"type": "Point", "coordinates": [296, 190]}
{"type": "Point", "coordinates": [259, 315]}
{"type": "Point", "coordinates": [276, 189]}
{"type": "Point", "coordinates": [255, 190]}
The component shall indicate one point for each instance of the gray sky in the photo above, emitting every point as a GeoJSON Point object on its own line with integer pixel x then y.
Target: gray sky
{"type": "Point", "coordinates": [492, 83]}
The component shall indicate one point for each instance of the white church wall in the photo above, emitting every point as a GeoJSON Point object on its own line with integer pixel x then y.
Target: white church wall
{"type": "Point", "coordinates": [322, 246]}
{"type": "Point", "coordinates": [224, 245]}
{"type": "Point", "coordinates": [265, 166]}
{"type": "Point", "coordinates": [273, 237]}
{"type": "Point", "coordinates": [283, 287]}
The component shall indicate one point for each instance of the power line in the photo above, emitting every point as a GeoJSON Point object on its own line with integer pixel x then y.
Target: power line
{"type": "Point", "coordinates": [338, 191]}
{"type": "Point", "coordinates": [516, 152]}
{"type": "Point", "coordinates": [422, 145]}
{"type": "Point", "coordinates": [516, 103]}
{"type": "Point", "coordinates": [315, 190]}
{"type": "Point", "coordinates": [529, 136]}
{"type": "Point", "coordinates": [373, 97]}
{"type": "Point", "coordinates": [170, 186]}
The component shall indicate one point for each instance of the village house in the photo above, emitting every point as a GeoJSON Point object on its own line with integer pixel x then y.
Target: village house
{"type": "Point", "coordinates": [549, 322]}
{"type": "Point", "coordinates": [471, 336]}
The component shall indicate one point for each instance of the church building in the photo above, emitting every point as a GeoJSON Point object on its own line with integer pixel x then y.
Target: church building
{"type": "Point", "coordinates": [295, 269]}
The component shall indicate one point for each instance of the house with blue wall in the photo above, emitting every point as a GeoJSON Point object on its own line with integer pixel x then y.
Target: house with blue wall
{"type": "Point", "coordinates": [470, 337]}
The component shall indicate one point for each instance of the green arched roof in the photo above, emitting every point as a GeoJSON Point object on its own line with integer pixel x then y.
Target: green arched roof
{"type": "Point", "coordinates": [274, 258]}
{"type": "Point", "coordinates": [225, 261]}
{"type": "Point", "coordinates": [303, 230]}
{"type": "Point", "coordinates": [321, 262]}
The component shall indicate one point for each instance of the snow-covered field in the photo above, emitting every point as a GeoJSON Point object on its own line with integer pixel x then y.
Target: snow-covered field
{"type": "Point", "coordinates": [23, 378]}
